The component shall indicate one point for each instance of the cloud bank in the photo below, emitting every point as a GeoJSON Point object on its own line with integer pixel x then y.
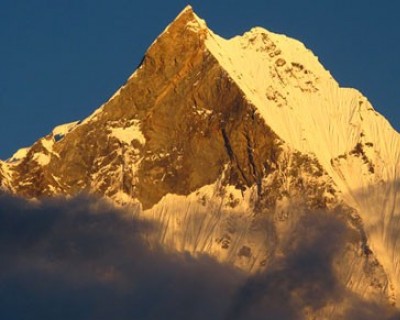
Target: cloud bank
{"type": "Point", "coordinates": [83, 259]}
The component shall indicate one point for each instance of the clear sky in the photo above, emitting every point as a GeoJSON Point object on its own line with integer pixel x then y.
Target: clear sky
{"type": "Point", "coordinates": [61, 59]}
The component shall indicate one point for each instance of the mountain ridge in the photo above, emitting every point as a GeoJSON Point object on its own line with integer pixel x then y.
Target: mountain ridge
{"type": "Point", "coordinates": [221, 131]}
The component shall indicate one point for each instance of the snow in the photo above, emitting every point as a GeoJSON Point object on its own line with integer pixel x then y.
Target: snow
{"type": "Point", "coordinates": [251, 61]}
{"type": "Point", "coordinates": [42, 159]}
{"type": "Point", "coordinates": [63, 129]}
{"type": "Point", "coordinates": [304, 105]}
{"type": "Point", "coordinates": [195, 24]}
{"type": "Point", "coordinates": [129, 134]}
{"type": "Point", "coordinates": [301, 102]}
{"type": "Point", "coordinates": [19, 155]}
{"type": "Point", "coordinates": [47, 144]}
{"type": "Point", "coordinates": [198, 223]}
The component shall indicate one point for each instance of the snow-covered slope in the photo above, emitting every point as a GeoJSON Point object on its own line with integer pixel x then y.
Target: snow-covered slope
{"type": "Point", "coordinates": [301, 102]}
{"type": "Point", "coordinates": [226, 144]}
{"type": "Point", "coordinates": [305, 106]}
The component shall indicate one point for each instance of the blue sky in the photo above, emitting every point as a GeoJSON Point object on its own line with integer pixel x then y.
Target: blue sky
{"type": "Point", "coordinates": [61, 59]}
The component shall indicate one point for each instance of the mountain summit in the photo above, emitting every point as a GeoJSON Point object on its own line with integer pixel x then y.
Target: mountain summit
{"type": "Point", "coordinates": [229, 145]}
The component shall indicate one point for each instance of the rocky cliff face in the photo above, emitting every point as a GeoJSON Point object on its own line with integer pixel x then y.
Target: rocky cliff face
{"type": "Point", "coordinates": [1, 175]}
{"type": "Point", "coordinates": [228, 145]}
{"type": "Point", "coordinates": [5, 177]}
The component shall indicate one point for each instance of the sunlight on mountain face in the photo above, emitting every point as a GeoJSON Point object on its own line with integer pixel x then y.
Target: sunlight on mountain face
{"type": "Point", "coordinates": [238, 181]}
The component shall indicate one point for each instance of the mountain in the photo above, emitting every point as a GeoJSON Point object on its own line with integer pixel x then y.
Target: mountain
{"type": "Point", "coordinates": [230, 145]}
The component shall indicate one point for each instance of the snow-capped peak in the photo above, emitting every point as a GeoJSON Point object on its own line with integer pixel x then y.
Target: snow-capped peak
{"type": "Point", "coordinates": [298, 97]}
{"type": "Point", "coordinates": [187, 20]}
{"type": "Point", "coordinates": [302, 103]}
{"type": "Point", "coordinates": [258, 108]}
{"type": "Point", "coordinates": [193, 20]}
